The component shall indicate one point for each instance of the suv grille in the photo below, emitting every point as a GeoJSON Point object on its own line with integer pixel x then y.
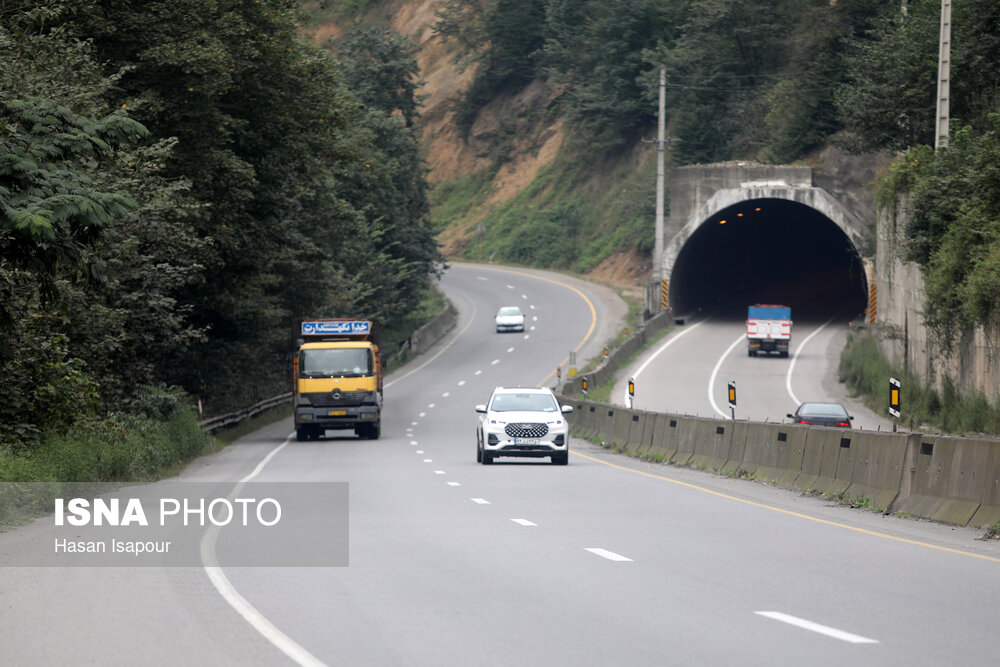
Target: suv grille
{"type": "Point", "coordinates": [529, 430]}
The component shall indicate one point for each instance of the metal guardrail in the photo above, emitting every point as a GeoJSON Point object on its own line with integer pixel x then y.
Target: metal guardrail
{"type": "Point", "coordinates": [213, 424]}
{"type": "Point", "coordinates": [419, 342]}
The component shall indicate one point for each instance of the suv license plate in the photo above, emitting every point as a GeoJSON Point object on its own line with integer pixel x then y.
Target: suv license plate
{"type": "Point", "coordinates": [526, 441]}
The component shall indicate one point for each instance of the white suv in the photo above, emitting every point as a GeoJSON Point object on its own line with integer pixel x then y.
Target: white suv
{"type": "Point", "coordinates": [523, 421]}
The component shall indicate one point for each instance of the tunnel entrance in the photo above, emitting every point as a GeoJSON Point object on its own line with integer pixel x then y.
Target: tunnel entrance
{"type": "Point", "coordinates": [769, 251]}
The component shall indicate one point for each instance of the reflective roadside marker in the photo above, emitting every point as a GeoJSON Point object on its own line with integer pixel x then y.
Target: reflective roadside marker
{"type": "Point", "coordinates": [894, 397]}
{"type": "Point", "coordinates": [732, 393]}
{"type": "Point", "coordinates": [586, 385]}
{"type": "Point", "coordinates": [631, 387]}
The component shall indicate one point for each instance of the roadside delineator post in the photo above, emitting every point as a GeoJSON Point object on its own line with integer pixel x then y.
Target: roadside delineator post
{"type": "Point", "coordinates": [732, 398]}
{"type": "Point", "coordinates": [894, 401]}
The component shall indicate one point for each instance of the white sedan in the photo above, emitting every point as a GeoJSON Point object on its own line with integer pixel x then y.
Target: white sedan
{"type": "Point", "coordinates": [510, 318]}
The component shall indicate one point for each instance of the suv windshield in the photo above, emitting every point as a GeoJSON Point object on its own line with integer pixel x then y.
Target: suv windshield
{"type": "Point", "coordinates": [524, 403]}
{"type": "Point", "coordinates": [510, 311]}
{"type": "Point", "coordinates": [340, 362]}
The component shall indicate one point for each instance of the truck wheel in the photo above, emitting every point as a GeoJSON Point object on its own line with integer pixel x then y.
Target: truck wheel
{"type": "Point", "coordinates": [751, 353]}
{"type": "Point", "coordinates": [784, 354]}
{"type": "Point", "coordinates": [375, 430]}
{"type": "Point", "coordinates": [301, 434]}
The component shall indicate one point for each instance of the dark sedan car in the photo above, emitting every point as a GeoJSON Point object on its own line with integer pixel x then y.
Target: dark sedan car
{"type": "Point", "coordinates": [822, 414]}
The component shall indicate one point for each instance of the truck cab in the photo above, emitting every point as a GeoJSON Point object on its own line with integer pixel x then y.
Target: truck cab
{"type": "Point", "coordinates": [337, 379]}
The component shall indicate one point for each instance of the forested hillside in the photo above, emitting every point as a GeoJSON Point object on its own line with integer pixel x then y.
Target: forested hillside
{"type": "Point", "coordinates": [776, 82]}
{"type": "Point", "coordinates": [179, 181]}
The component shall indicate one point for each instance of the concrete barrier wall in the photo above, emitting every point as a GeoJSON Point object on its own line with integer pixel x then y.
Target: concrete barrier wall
{"type": "Point", "coordinates": [737, 448]}
{"type": "Point", "coordinates": [769, 454]}
{"type": "Point", "coordinates": [878, 460]}
{"type": "Point", "coordinates": [951, 479]}
{"type": "Point", "coordinates": [663, 443]}
{"type": "Point", "coordinates": [685, 435]}
{"type": "Point", "coordinates": [824, 444]}
{"type": "Point", "coordinates": [711, 445]}
{"type": "Point", "coordinates": [954, 480]}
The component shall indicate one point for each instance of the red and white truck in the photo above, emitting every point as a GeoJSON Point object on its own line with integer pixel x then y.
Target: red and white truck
{"type": "Point", "coordinates": [769, 329]}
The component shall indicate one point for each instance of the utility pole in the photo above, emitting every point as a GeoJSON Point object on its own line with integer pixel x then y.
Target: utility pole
{"type": "Point", "coordinates": [661, 142]}
{"type": "Point", "coordinates": [944, 76]}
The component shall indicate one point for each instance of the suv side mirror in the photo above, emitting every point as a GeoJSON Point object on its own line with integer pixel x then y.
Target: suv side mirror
{"type": "Point", "coordinates": [566, 409]}
{"type": "Point", "coordinates": [481, 409]}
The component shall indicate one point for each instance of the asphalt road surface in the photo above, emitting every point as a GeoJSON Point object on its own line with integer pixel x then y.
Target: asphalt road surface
{"type": "Point", "coordinates": [606, 561]}
{"type": "Point", "coordinates": [689, 369]}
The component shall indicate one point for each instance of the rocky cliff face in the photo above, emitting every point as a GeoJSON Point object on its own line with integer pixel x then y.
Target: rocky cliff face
{"type": "Point", "coordinates": [532, 138]}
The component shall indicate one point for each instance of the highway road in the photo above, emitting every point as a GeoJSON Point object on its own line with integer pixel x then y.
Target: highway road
{"type": "Point", "coordinates": [689, 369]}
{"type": "Point", "coordinates": [606, 561]}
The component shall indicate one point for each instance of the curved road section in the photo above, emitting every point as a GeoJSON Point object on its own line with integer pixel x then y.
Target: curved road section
{"type": "Point", "coordinates": [604, 561]}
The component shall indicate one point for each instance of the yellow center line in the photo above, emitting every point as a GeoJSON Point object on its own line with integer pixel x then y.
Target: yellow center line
{"type": "Point", "coordinates": [799, 515]}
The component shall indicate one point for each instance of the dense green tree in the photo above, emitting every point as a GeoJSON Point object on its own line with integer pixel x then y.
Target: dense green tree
{"type": "Point", "coordinates": [380, 67]}
{"type": "Point", "coordinates": [596, 49]}
{"type": "Point", "coordinates": [889, 101]}
{"type": "Point", "coordinates": [954, 230]}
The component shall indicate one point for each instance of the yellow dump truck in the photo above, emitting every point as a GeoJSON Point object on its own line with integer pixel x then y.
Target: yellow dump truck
{"type": "Point", "coordinates": [337, 378]}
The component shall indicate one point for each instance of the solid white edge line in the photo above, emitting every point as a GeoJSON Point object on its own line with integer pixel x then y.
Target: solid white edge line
{"type": "Point", "coordinates": [715, 371]}
{"type": "Point", "coordinates": [610, 555]}
{"type": "Point", "coordinates": [795, 357]}
{"type": "Point", "coordinates": [816, 627]}
{"type": "Point", "coordinates": [247, 611]}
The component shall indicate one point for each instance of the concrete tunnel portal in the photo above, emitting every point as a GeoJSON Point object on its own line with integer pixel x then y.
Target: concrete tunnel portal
{"type": "Point", "coordinates": [768, 250]}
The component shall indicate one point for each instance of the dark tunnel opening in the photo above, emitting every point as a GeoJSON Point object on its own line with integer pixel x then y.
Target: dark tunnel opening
{"type": "Point", "coordinates": [769, 251]}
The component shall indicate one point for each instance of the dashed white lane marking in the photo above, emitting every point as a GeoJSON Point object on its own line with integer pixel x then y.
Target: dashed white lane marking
{"type": "Point", "coordinates": [531, 328]}
{"type": "Point", "coordinates": [478, 373]}
{"type": "Point", "coordinates": [414, 423]}
{"type": "Point", "coordinates": [482, 278]}
{"type": "Point", "coordinates": [446, 394]}
{"type": "Point", "coordinates": [454, 484]}
{"type": "Point", "coordinates": [420, 451]}
{"type": "Point", "coordinates": [524, 296]}
{"type": "Point", "coordinates": [527, 336]}
{"type": "Point", "coordinates": [532, 307]}
{"type": "Point", "coordinates": [413, 442]}
{"type": "Point", "coordinates": [428, 460]}
{"type": "Point", "coordinates": [461, 383]}
{"type": "Point", "coordinates": [439, 472]}
{"type": "Point", "coordinates": [534, 318]}
{"type": "Point", "coordinates": [494, 362]}
{"type": "Point", "coordinates": [510, 287]}
{"type": "Point", "coordinates": [430, 405]}
{"type": "Point", "coordinates": [480, 501]}
{"type": "Point", "coordinates": [610, 555]}
{"type": "Point", "coordinates": [816, 627]}
{"type": "Point", "coordinates": [509, 350]}
{"type": "Point", "coordinates": [422, 414]}
{"type": "Point", "coordinates": [524, 522]}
